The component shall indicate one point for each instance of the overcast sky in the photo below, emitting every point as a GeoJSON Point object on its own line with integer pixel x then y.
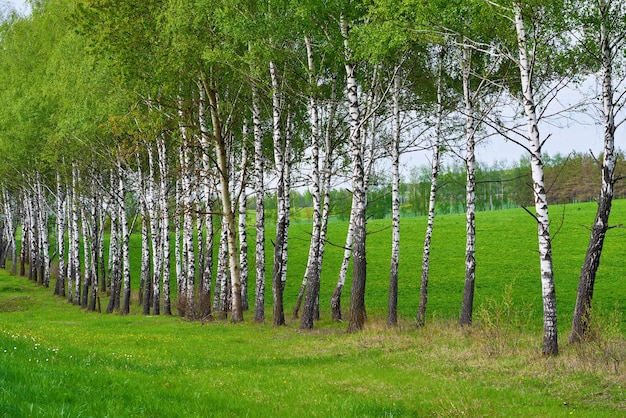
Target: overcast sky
{"type": "Point", "coordinates": [579, 135]}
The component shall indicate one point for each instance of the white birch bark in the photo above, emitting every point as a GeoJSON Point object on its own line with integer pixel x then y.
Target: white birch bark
{"type": "Point", "coordinates": [33, 257]}
{"type": "Point", "coordinates": [421, 311]}
{"type": "Point", "coordinates": [143, 193]}
{"type": "Point", "coordinates": [392, 304]}
{"type": "Point", "coordinates": [42, 220]}
{"type": "Point", "coordinates": [93, 248]}
{"type": "Point", "coordinates": [178, 247]}
{"type": "Point", "coordinates": [87, 259]}
{"type": "Point", "coordinates": [75, 243]}
{"type": "Point", "coordinates": [114, 249]}
{"type": "Point", "coordinates": [10, 230]}
{"type": "Point", "coordinates": [550, 339]}
{"type": "Point", "coordinates": [470, 193]}
{"type": "Point", "coordinates": [152, 203]}
{"type": "Point", "coordinates": [609, 50]}
{"type": "Point", "coordinates": [357, 294]}
{"type": "Point", "coordinates": [189, 263]}
{"type": "Point", "coordinates": [125, 241]}
{"type": "Point", "coordinates": [259, 190]}
{"type": "Point", "coordinates": [60, 218]}
{"type": "Point", "coordinates": [220, 303]}
{"type": "Point", "coordinates": [204, 297]}
{"type": "Point", "coordinates": [165, 231]}
{"type": "Point", "coordinates": [281, 223]}
{"type": "Point", "coordinates": [24, 243]}
{"type": "Point", "coordinates": [287, 194]}
{"type": "Point", "coordinates": [101, 208]}
{"type": "Point", "coordinates": [229, 217]}
{"type": "Point", "coordinates": [9, 227]}
{"type": "Point", "coordinates": [243, 235]}
{"type": "Point", "coordinates": [312, 273]}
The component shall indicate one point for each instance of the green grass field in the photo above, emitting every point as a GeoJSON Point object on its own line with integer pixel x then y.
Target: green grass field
{"type": "Point", "coordinates": [57, 360]}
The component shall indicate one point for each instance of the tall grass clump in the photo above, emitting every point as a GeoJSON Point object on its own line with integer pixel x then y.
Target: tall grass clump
{"type": "Point", "coordinates": [500, 323]}
{"type": "Point", "coordinates": [604, 347]}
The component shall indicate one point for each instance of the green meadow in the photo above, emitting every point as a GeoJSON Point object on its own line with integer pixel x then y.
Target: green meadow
{"type": "Point", "coordinates": [57, 360]}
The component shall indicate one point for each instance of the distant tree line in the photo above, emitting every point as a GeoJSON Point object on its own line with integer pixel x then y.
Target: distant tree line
{"type": "Point", "coordinates": [571, 179]}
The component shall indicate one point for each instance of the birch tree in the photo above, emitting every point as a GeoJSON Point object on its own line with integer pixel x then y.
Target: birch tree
{"type": "Point", "coordinates": [604, 39]}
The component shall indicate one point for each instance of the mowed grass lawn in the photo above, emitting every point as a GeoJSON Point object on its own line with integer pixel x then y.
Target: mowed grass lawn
{"type": "Point", "coordinates": [57, 360]}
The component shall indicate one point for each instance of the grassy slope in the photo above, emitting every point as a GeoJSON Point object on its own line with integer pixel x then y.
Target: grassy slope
{"type": "Point", "coordinates": [506, 253]}
{"type": "Point", "coordinates": [56, 360]}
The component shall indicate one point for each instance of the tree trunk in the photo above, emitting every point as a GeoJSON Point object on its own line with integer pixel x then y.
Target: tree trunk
{"type": "Point", "coordinates": [93, 248]}
{"type": "Point", "coordinates": [421, 311]}
{"type": "Point", "coordinates": [145, 291]}
{"type": "Point", "coordinates": [204, 298]}
{"type": "Point", "coordinates": [125, 242]}
{"type": "Point", "coordinates": [335, 300]}
{"type": "Point", "coordinates": [259, 190]}
{"type": "Point", "coordinates": [75, 240]}
{"type": "Point", "coordinates": [312, 275]}
{"type": "Point", "coordinates": [87, 256]}
{"type": "Point", "coordinates": [153, 295]}
{"type": "Point", "coordinates": [581, 319]}
{"type": "Point", "coordinates": [470, 194]}
{"type": "Point", "coordinates": [229, 217]}
{"type": "Point", "coordinates": [178, 249]}
{"type": "Point", "coordinates": [392, 304]}
{"type": "Point", "coordinates": [43, 234]}
{"type": "Point", "coordinates": [59, 289]}
{"type": "Point", "coordinates": [243, 235]}
{"type": "Point", "coordinates": [188, 230]}
{"type": "Point", "coordinates": [220, 304]}
{"type": "Point", "coordinates": [281, 223]}
{"type": "Point", "coordinates": [357, 294]}
{"type": "Point", "coordinates": [550, 340]}
{"type": "Point", "coordinates": [165, 232]}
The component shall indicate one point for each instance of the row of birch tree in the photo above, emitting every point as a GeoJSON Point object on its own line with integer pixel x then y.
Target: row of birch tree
{"type": "Point", "coordinates": [177, 113]}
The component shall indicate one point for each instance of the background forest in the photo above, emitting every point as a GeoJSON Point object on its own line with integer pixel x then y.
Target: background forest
{"type": "Point", "coordinates": [191, 125]}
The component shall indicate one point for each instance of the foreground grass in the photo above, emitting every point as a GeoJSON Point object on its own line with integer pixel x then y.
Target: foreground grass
{"type": "Point", "coordinates": [59, 361]}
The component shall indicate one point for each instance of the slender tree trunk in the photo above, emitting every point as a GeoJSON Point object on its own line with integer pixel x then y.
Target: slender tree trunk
{"type": "Point", "coordinates": [550, 340]}
{"type": "Point", "coordinates": [10, 225]}
{"type": "Point", "coordinates": [243, 235]}
{"type": "Point", "coordinates": [581, 319]}
{"type": "Point", "coordinates": [87, 256]}
{"type": "Point", "coordinates": [259, 190]}
{"type": "Point", "coordinates": [153, 295]}
{"type": "Point", "coordinates": [392, 304]}
{"type": "Point", "coordinates": [281, 224]}
{"type": "Point", "coordinates": [357, 294]}
{"type": "Point", "coordinates": [335, 300]}
{"type": "Point", "coordinates": [93, 248]}
{"type": "Point", "coordinates": [44, 238]}
{"type": "Point", "coordinates": [75, 244]}
{"type": "Point", "coordinates": [188, 230]}
{"type": "Point", "coordinates": [204, 297]}
{"type": "Point", "coordinates": [470, 194]}
{"type": "Point", "coordinates": [220, 303]}
{"type": "Point", "coordinates": [114, 251]}
{"type": "Point", "coordinates": [165, 231]}
{"type": "Point", "coordinates": [101, 213]}
{"type": "Point", "coordinates": [145, 291]}
{"type": "Point", "coordinates": [24, 244]}
{"type": "Point", "coordinates": [59, 289]}
{"type": "Point", "coordinates": [229, 217]}
{"type": "Point", "coordinates": [312, 276]}
{"type": "Point", "coordinates": [125, 242]}
{"type": "Point", "coordinates": [421, 311]}
{"type": "Point", "coordinates": [178, 250]}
